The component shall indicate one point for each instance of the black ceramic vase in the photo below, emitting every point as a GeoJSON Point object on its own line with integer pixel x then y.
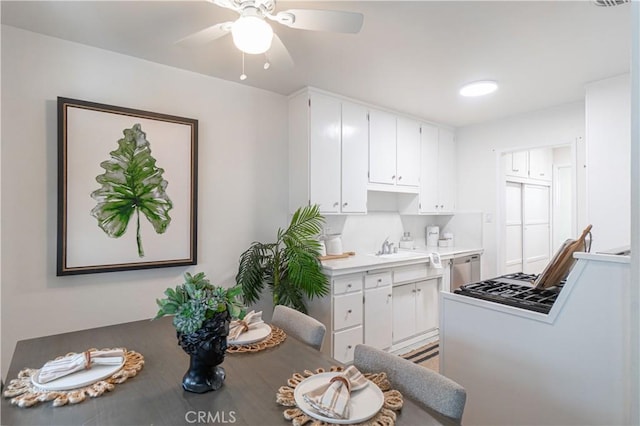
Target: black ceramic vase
{"type": "Point", "coordinates": [206, 348]}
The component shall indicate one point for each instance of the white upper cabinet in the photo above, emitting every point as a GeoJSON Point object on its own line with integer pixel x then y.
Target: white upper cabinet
{"type": "Point", "coordinates": [517, 164]}
{"type": "Point", "coordinates": [408, 152]}
{"type": "Point", "coordinates": [382, 147]}
{"type": "Point", "coordinates": [324, 152]}
{"type": "Point", "coordinates": [328, 151]}
{"type": "Point", "coordinates": [394, 151]}
{"type": "Point", "coordinates": [438, 181]}
{"type": "Point", "coordinates": [355, 146]}
{"type": "Point", "coordinates": [541, 163]}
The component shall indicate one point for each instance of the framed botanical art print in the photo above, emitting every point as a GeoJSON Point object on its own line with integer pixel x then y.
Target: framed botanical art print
{"type": "Point", "coordinates": [127, 188]}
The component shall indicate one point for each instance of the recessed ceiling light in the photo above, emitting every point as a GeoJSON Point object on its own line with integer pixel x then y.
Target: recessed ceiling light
{"type": "Point", "coordinates": [479, 88]}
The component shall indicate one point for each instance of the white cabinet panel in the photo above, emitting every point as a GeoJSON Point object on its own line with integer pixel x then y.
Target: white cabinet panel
{"type": "Point", "coordinates": [344, 343]}
{"type": "Point", "coordinates": [381, 279]}
{"type": "Point", "coordinates": [324, 153]}
{"type": "Point", "coordinates": [427, 305]}
{"type": "Point", "coordinates": [355, 164]}
{"type": "Point", "coordinates": [408, 152]}
{"type": "Point", "coordinates": [516, 164]}
{"type": "Point", "coordinates": [541, 163]}
{"type": "Point", "coordinates": [347, 284]}
{"type": "Point", "coordinates": [410, 273]}
{"type": "Point", "coordinates": [404, 311]}
{"type": "Point", "coordinates": [438, 172]}
{"type": "Point", "coordinates": [382, 147]}
{"type": "Point", "coordinates": [536, 200]}
{"type": "Point", "coordinates": [378, 317]}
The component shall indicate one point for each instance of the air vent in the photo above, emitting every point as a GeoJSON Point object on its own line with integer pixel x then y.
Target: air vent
{"type": "Point", "coordinates": [609, 3]}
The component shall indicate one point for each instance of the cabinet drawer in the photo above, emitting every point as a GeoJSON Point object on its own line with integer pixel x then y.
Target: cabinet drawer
{"type": "Point", "coordinates": [410, 273]}
{"type": "Point", "coordinates": [344, 343]}
{"type": "Point", "coordinates": [347, 310]}
{"type": "Point", "coordinates": [347, 284]}
{"type": "Point", "coordinates": [381, 279]}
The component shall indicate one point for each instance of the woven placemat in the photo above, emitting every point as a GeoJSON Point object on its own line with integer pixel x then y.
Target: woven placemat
{"type": "Point", "coordinates": [393, 399]}
{"type": "Point", "coordinates": [24, 393]}
{"type": "Point", "coordinates": [276, 337]}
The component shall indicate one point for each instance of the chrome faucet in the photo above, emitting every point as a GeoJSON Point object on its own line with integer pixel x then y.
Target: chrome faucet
{"type": "Point", "coordinates": [386, 247]}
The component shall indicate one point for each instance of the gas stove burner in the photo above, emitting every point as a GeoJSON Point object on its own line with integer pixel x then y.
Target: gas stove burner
{"type": "Point", "coordinates": [513, 290]}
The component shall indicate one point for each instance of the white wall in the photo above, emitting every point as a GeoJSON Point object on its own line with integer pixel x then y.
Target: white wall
{"type": "Point", "coordinates": [242, 194]}
{"type": "Point", "coordinates": [608, 103]}
{"type": "Point", "coordinates": [479, 148]}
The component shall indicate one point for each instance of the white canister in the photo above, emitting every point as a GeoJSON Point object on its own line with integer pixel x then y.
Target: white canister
{"type": "Point", "coordinates": [323, 248]}
{"type": "Point", "coordinates": [333, 244]}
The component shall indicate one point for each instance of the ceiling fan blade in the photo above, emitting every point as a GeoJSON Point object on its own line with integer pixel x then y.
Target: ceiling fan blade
{"type": "Point", "coordinates": [278, 54]}
{"type": "Point", "coordinates": [321, 20]}
{"type": "Point", "coordinates": [229, 4]}
{"type": "Point", "coordinates": [207, 35]}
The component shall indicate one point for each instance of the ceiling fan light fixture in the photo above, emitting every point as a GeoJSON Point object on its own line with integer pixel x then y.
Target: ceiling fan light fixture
{"type": "Point", "coordinates": [479, 88]}
{"type": "Point", "coordinates": [251, 34]}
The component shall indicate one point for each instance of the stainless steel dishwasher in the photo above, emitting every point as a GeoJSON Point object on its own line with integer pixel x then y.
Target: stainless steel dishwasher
{"type": "Point", "coordinates": [464, 270]}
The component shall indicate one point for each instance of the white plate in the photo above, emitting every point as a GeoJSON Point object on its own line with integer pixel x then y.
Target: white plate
{"type": "Point", "coordinates": [78, 379]}
{"type": "Point", "coordinates": [364, 403]}
{"type": "Point", "coordinates": [254, 334]}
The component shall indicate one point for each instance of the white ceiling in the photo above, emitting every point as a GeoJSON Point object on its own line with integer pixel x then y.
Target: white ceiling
{"type": "Point", "coordinates": [410, 56]}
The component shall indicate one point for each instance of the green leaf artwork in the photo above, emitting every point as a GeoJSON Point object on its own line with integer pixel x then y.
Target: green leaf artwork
{"type": "Point", "coordinates": [131, 183]}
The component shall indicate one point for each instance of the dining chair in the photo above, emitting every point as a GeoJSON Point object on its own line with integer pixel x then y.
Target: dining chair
{"type": "Point", "coordinates": [301, 326]}
{"type": "Point", "coordinates": [425, 386]}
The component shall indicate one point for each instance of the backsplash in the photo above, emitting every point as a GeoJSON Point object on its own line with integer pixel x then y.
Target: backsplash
{"type": "Point", "coordinates": [364, 234]}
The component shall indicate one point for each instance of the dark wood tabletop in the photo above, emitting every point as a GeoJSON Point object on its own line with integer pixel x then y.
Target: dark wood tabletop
{"type": "Point", "coordinates": [155, 396]}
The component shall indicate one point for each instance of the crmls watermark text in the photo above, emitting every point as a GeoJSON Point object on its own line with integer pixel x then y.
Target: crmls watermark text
{"type": "Point", "coordinates": [210, 417]}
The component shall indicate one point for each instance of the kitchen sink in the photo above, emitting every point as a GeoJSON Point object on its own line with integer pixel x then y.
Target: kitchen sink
{"type": "Point", "coordinates": [399, 255]}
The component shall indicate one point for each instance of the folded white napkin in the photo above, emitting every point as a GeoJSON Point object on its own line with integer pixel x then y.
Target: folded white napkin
{"type": "Point", "coordinates": [57, 368]}
{"type": "Point", "coordinates": [237, 327]}
{"type": "Point", "coordinates": [332, 399]}
{"type": "Point", "coordinates": [434, 258]}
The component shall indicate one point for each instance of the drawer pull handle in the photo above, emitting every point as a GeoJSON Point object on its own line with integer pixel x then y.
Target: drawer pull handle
{"type": "Point", "coordinates": [349, 311]}
{"type": "Point", "coordinates": [348, 285]}
{"type": "Point", "coordinates": [379, 280]}
{"type": "Point", "coordinates": [349, 347]}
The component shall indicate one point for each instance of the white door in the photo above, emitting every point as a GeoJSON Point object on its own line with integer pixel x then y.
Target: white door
{"type": "Point", "coordinates": [382, 147]}
{"type": "Point", "coordinates": [562, 206]}
{"type": "Point", "coordinates": [513, 231]}
{"type": "Point", "coordinates": [404, 311]}
{"type": "Point", "coordinates": [427, 305]}
{"type": "Point", "coordinates": [429, 170]}
{"type": "Point", "coordinates": [378, 317]}
{"type": "Point", "coordinates": [355, 164]}
{"type": "Point", "coordinates": [446, 170]}
{"type": "Point", "coordinates": [324, 155]}
{"type": "Point", "coordinates": [408, 152]}
{"type": "Point", "coordinates": [537, 227]}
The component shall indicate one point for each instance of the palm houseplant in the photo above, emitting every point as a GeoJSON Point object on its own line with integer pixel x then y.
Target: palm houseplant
{"type": "Point", "coordinates": [201, 316]}
{"type": "Point", "coordinates": [289, 267]}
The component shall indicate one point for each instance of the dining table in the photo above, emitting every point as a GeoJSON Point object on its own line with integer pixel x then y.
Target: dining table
{"type": "Point", "coordinates": [155, 395]}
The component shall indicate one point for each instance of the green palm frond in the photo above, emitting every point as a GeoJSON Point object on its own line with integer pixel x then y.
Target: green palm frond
{"type": "Point", "coordinates": [289, 267]}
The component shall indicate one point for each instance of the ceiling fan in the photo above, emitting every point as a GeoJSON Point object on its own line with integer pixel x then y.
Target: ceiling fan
{"type": "Point", "coordinates": [252, 34]}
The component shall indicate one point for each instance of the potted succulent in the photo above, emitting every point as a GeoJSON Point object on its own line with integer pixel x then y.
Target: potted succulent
{"type": "Point", "coordinates": [201, 315]}
{"type": "Point", "coordinates": [289, 266]}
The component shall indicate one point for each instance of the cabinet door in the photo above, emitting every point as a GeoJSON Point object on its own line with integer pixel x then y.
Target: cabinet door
{"type": "Point", "coordinates": [378, 317]}
{"type": "Point", "coordinates": [347, 310]}
{"type": "Point", "coordinates": [324, 155]}
{"type": "Point", "coordinates": [382, 147]}
{"type": "Point", "coordinates": [427, 296]}
{"type": "Point", "coordinates": [540, 163]}
{"type": "Point", "coordinates": [355, 148]}
{"type": "Point", "coordinates": [404, 311]}
{"type": "Point", "coordinates": [408, 152]}
{"type": "Point", "coordinates": [516, 164]}
{"type": "Point", "coordinates": [446, 171]}
{"type": "Point", "coordinates": [429, 169]}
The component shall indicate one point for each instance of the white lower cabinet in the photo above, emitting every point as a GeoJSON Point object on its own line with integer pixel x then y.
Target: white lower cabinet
{"type": "Point", "coordinates": [415, 308]}
{"type": "Point", "coordinates": [378, 310]}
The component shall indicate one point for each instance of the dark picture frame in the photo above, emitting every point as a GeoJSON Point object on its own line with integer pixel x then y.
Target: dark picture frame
{"type": "Point", "coordinates": [127, 189]}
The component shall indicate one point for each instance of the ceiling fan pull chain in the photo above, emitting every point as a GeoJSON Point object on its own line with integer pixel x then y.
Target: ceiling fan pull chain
{"type": "Point", "coordinates": [243, 76]}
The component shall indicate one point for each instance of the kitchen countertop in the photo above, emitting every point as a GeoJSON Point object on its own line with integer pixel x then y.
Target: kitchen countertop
{"type": "Point", "coordinates": [365, 262]}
